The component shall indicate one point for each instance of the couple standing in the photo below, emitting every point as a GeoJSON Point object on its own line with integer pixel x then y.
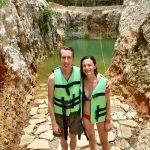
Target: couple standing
{"type": "Point", "coordinates": [75, 93]}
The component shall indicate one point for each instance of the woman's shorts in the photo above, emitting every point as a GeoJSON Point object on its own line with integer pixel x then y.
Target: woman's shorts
{"type": "Point", "coordinates": [73, 123]}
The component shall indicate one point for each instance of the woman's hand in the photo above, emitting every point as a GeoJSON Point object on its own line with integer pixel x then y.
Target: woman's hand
{"type": "Point", "coordinates": [108, 86]}
{"type": "Point", "coordinates": [56, 128]}
{"type": "Point", "coordinates": [107, 126]}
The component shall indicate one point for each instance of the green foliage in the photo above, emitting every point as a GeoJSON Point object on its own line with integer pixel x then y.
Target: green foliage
{"type": "Point", "coordinates": [45, 18]}
{"type": "Point", "coordinates": [2, 3]}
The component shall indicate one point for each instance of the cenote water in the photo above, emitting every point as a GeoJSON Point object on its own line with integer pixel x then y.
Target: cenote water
{"type": "Point", "coordinates": [101, 49]}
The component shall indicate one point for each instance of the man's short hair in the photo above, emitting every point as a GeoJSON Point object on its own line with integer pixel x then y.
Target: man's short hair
{"type": "Point", "coordinates": [67, 48]}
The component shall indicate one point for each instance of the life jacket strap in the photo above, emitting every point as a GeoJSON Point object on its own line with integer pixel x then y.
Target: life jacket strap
{"type": "Point", "coordinates": [98, 94]}
{"type": "Point", "coordinates": [98, 113]}
{"type": "Point", "coordinates": [64, 119]}
{"type": "Point", "coordinates": [67, 104]}
{"type": "Point", "coordinates": [72, 105]}
{"type": "Point", "coordinates": [67, 86]}
{"type": "Point", "coordinates": [85, 133]}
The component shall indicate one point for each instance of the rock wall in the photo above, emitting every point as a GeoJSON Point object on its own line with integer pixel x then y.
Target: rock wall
{"type": "Point", "coordinates": [23, 45]}
{"type": "Point", "coordinates": [87, 22]}
{"type": "Point", "coordinates": [130, 68]}
{"type": "Point", "coordinates": [21, 48]}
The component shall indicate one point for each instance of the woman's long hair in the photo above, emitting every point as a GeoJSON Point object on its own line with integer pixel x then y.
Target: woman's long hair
{"type": "Point", "coordinates": [81, 68]}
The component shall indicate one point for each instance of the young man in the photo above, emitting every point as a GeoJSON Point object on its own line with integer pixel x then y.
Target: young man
{"type": "Point", "coordinates": [63, 96]}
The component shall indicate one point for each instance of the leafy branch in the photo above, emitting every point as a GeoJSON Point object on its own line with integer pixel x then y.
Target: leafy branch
{"type": "Point", "coordinates": [45, 18]}
{"type": "Point", "coordinates": [2, 3]}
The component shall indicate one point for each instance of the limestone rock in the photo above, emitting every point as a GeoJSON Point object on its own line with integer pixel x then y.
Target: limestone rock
{"type": "Point", "coordinates": [125, 107]}
{"type": "Point", "coordinates": [144, 138]}
{"type": "Point", "coordinates": [26, 139]}
{"type": "Point", "coordinates": [111, 136]}
{"type": "Point", "coordinates": [36, 121]}
{"type": "Point", "coordinates": [42, 128]}
{"type": "Point", "coordinates": [39, 144]}
{"type": "Point", "coordinates": [115, 148]}
{"type": "Point", "coordinates": [124, 132]}
{"type": "Point", "coordinates": [43, 110]}
{"type": "Point", "coordinates": [29, 129]}
{"type": "Point", "coordinates": [82, 143]}
{"type": "Point", "coordinates": [33, 111]}
{"type": "Point", "coordinates": [119, 116]}
{"type": "Point", "coordinates": [129, 123]}
{"type": "Point", "coordinates": [43, 106]}
{"type": "Point", "coordinates": [47, 135]}
{"type": "Point", "coordinates": [39, 116]}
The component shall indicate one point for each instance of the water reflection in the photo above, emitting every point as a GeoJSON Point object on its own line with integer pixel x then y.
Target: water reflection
{"type": "Point", "coordinates": [101, 49]}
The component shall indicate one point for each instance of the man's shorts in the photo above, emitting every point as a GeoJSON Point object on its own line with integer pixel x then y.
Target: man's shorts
{"type": "Point", "coordinates": [73, 123]}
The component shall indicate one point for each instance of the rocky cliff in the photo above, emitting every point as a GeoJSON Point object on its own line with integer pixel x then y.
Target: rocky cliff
{"type": "Point", "coordinates": [87, 22]}
{"type": "Point", "coordinates": [21, 47]}
{"type": "Point", "coordinates": [130, 68]}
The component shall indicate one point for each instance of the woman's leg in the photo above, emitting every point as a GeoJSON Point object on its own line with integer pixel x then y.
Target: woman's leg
{"type": "Point", "coordinates": [103, 135]}
{"type": "Point", "coordinates": [90, 132]}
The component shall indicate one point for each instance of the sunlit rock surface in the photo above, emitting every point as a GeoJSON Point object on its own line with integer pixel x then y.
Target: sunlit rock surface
{"type": "Point", "coordinates": [130, 68]}
{"type": "Point", "coordinates": [87, 22]}
{"type": "Point", "coordinates": [21, 48]}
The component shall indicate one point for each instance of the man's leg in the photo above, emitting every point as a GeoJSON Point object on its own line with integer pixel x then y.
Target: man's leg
{"type": "Point", "coordinates": [75, 128]}
{"type": "Point", "coordinates": [63, 143]}
{"type": "Point", "coordinates": [73, 141]}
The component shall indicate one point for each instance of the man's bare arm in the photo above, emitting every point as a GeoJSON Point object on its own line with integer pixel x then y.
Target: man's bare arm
{"type": "Point", "coordinates": [55, 126]}
{"type": "Point", "coordinates": [51, 98]}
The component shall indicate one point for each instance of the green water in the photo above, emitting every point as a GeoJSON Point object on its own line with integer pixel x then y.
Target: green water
{"type": "Point", "coordinates": [101, 49]}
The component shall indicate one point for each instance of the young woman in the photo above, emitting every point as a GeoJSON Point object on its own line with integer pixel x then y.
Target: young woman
{"type": "Point", "coordinates": [95, 102]}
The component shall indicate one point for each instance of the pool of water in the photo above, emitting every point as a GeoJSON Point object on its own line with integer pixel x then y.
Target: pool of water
{"type": "Point", "coordinates": [101, 49]}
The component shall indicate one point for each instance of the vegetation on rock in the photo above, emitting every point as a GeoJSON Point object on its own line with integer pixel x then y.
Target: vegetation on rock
{"type": "Point", "coordinates": [45, 18]}
{"type": "Point", "coordinates": [2, 3]}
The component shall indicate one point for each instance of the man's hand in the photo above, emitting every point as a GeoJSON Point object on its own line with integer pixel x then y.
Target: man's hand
{"type": "Point", "coordinates": [56, 128]}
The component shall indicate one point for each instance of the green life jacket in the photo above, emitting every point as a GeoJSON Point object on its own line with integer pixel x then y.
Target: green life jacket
{"type": "Point", "coordinates": [66, 93]}
{"type": "Point", "coordinates": [97, 102]}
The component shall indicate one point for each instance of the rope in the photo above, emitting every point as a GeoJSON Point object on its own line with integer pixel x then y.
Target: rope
{"type": "Point", "coordinates": [101, 48]}
{"type": "Point", "coordinates": [104, 63]}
